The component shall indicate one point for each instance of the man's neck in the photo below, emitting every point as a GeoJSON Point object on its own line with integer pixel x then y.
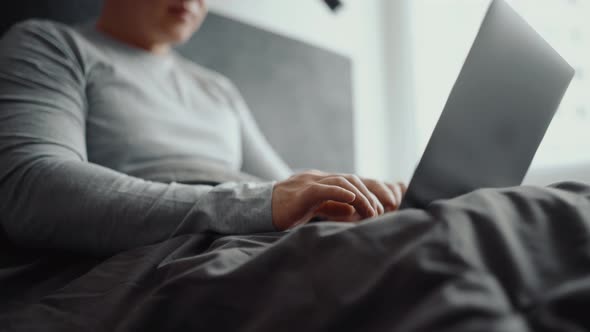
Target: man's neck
{"type": "Point", "coordinates": [125, 34]}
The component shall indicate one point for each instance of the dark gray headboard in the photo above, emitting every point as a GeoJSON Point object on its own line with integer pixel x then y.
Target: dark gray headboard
{"type": "Point", "coordinates": [300, 95]}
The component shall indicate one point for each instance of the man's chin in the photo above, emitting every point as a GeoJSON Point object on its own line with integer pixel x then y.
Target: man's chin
{"type": "Point", "coordinates": [180, 36]}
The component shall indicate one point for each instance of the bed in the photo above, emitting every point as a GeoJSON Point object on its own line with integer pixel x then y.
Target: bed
{"type": "Point", "coordinates": [514, 259]}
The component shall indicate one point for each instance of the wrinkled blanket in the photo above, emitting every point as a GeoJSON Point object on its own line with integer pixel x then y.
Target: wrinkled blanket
{"type": "Point", "coordinates": [513, 259]}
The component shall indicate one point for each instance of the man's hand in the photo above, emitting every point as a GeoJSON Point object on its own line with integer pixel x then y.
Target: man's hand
{"type": "Point", "coordinates": [337, 197]}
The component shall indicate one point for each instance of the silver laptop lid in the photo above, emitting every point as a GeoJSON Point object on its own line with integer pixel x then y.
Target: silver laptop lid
{"type": "Point", "coordinates": [497, 114]}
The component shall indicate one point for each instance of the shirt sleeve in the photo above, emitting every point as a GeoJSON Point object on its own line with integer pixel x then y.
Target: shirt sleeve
{"type": "Point", "coordinates": [259, 157]}
{"type": "Point", "coordinates": [52, 197]}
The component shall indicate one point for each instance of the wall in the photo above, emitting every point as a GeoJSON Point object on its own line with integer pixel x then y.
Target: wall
{"type": "Point", "coordinates": [356, 31]}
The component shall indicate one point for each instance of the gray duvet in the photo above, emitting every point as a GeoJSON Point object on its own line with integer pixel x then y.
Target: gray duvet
{"type": "Point", "coordinates": [494, 260]}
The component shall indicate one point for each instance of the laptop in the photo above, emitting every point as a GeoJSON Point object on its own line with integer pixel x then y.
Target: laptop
{"type": "Point", "coordinates": [498, 111]}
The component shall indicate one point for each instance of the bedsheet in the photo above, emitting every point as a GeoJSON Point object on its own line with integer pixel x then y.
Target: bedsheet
{"type": "Point", "coordinates": [515, 259]}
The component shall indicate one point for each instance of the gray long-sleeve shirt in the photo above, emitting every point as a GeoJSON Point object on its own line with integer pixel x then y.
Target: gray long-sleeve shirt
{"type": "Point", "coordinates": [95, 135]}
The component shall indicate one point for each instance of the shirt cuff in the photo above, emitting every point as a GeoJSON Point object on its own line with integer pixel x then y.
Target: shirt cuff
{"type": "Point", "coordinates": [230, 208]}
{"type": "Point", "coordinates": [256, 215]}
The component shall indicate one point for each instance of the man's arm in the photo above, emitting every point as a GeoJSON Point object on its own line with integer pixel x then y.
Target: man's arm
{"type": "Point", "coordinates": [262, 160]}
{"type": "Point", "coordinates": [259, 157]}
{"type": "Point", "coordinates": [52, 197]}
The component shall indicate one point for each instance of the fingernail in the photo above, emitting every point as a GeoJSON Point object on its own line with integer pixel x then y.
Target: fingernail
{"type": "Point", "coordinates": [373, 212]}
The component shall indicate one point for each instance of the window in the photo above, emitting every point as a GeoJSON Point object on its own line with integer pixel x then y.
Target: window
{"type": "Point", "coordinates": [443, 33]}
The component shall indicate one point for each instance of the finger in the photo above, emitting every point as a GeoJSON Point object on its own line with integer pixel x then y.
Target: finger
{"type": "Point", "coordinates": [335, 210]}
{"type": "Point", "coordinates": [380, 207]}
{"type": "Point", "coordinates": [397, 192]}
{"type": "Point", "coordinates": [403, 188]}
{"type": "Point", "coordinates": [356, 181]}
{"type": "Point", "coordinates": [385, 195]}
{"type": "Point", "coordinates": [376, 205]}
{"type": "Point", "coordinates": [318, 193]}
{"type": "Point", "coordinates": [339, 212]}
{"type": "Point", "coordinates": [362, 203]}
{"type": "Point", "coordinates": [353, 179]}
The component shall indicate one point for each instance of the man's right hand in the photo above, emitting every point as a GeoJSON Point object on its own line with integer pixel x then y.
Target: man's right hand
{"type": "Point", "coordinates": [304, 196]}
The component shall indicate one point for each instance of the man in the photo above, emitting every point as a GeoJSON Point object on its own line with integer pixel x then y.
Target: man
{"type": "Point", "coordinates": [109, 140]}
